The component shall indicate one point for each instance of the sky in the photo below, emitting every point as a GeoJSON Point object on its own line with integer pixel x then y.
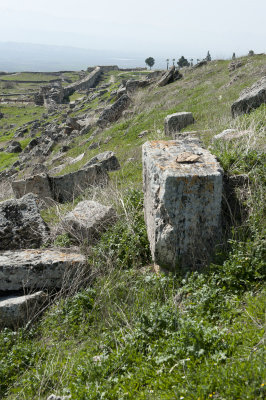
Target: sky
{"type": "Point", "coordinates": [153, 28]}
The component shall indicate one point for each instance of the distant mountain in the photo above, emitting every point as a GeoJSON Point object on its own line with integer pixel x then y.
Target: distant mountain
{"type": "Point", "coordinates": [16, 57]}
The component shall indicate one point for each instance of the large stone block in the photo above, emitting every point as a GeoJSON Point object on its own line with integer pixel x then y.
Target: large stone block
{"type": "Point", "coordinates": [250, 98]}
{"type": "Point", "coordinates": [182, 202]}
{"type": "Point", "coordinates": [62, 188]}
{"type": "Point", "coordinates": [39, 269]}
{"type": "Point", "coordinates": [21, 225]}
{"type": "Point", "coordinates": [37, 184]}
{"type": "Point", "coordinates": [175, 122]}
{"type": "Point", "coordinates": [18, 310]}
{"type": "Point", "coordinates": [88, 220]}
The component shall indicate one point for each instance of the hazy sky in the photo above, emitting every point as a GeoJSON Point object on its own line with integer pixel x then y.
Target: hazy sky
{"type": "Point", "coordinates": [152, 27]}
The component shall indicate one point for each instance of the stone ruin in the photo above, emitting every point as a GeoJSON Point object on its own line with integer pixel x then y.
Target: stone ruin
{"type": "Point", "coordinates": [182, 202]}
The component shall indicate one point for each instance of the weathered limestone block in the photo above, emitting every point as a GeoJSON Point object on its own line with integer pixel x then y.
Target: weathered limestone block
{"type": "Point", "coordinates": [37, 184]}
{"type": "Point", "coordinates": [182, 202]}
{"type": "Point", "coordinates": [38, 269]}
{"type": "Point", "coordinates": [107, 160]}
{"type": "Point", "coordinates": [66, 187]}
{"type": "Point", "coordinates": [18, 310]}
{"type": "Point", "coordinates": [250, 98]}
{"type": "Point", "coordinates": [88, 220]}
{"type": "Point", "coordinates": [175, 122]}
{"type": "Point", "coordinates": [21, 225]}
{"type": "Point", "coordinates": [113, 112]}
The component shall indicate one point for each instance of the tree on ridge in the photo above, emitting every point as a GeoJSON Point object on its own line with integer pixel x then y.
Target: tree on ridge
{"type": "Point", "coordinates": [150, 61]}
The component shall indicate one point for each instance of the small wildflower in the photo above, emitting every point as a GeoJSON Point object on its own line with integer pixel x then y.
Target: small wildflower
{"type": "Point", "coordinates": [210, 395]}
{"type": "Point", "coordinates": [263, 384]}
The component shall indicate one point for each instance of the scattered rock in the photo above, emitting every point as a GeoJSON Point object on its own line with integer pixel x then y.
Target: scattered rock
{"type": "Point", "coordinates": [107, 160]}
{"type": "Point", "coordinates": [132, 85]}
{"type": "Point", "coordinates": [94, 145]}
{"type": "Point", "coordinates": [14, 147]}
{"type": "Point", "coordinates": [182, 202]}
{"type": "Point", "coordinates": [1, 115]}
{"type": "Point", "coordinates": [107, 140]}
{"type": "Point", "coordinates": [170, 76]}
{"type": "Point", "coordinates": [175, 122]}
{"type": "Point", "coordinates": [21, 225]}
{"type": "Point", "coordinates": [88, 220]}
{"type": "Point", "coordinates": [200, 64]}
{"type": "Point", "coordinates": [72, 123]}
{"type": "Point", "coordinates": [39, 269]}
{"type": "Point", "coordinates": [113, 113]}
{"type": "Point", "coordinates": [234, 65]}
{"type": "Point", "coordinates": [250, 98]}
{"type": "Point", "coordinates": [143, 133]}
{"type": "Point", "coordinates": [18, 310]}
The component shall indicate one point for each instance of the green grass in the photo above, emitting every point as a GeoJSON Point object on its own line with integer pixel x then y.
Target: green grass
{"type": "Point", "coordinates": [28, 76]}
{"type": "Point", "coordinates": [130, 332]}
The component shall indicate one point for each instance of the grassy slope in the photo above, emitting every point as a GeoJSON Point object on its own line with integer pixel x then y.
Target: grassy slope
{"type": "Point", "coordinates": [132, 333]}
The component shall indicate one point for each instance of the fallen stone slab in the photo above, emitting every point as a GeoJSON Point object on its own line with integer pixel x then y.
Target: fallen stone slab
{"type": "Point", "coordinates": [250, 98]}
{"type": "Point", "coordinates": [107, 160]}
{"type": "Point", "coordinates": [175, 122]}
{"type": "Point", "coordinates": [21, 225]}
{"type": "Point", "coordinates": [182, 202]}
{"type": "Point", "coordinates": [230, 134]}
{"type": "Point", "coordinates": [113, 113]}
{"type": "Point", "coordinates": [88, 220]}
{"type": "Point", "coordinates": [170, 76]}
{"type": "Point", "coordinates": [39, 269]}
{"type": "Point", "coordinates": [16, 311]}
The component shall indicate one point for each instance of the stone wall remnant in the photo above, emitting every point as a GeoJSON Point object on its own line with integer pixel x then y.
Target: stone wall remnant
{"type": "Point", "coordinates": [61, 188]}
{"type": "Point", "coordinates": [182, 202]}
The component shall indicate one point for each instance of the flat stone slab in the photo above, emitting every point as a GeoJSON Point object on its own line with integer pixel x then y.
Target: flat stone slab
{"type": "Point", "coordinates": [175, 122]}
{"type": "Point", "coordinates": [182, 201]}
{"type": "Point", "coordinates": [18, 310]}
{"type": "Point", "coordinates": [88, 220]}
{"type": "Point", "coordinates": [38, 269]}
{"type": "Point", "coordinates": [250, 98]}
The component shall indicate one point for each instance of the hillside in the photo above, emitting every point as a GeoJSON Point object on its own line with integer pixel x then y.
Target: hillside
{"type": "Point", "coordinates": [125, 329]}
